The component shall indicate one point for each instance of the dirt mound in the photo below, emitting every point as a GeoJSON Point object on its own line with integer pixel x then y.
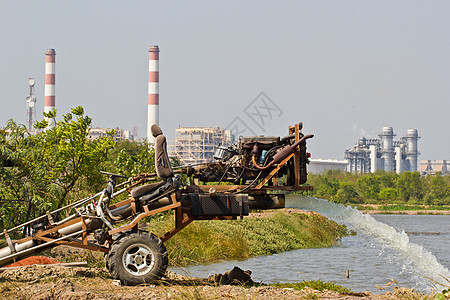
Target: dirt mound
{"type": "Point", "coordinates": [34, 260]}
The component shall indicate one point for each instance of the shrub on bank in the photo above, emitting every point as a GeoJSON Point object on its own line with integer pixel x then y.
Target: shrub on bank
{"type": "Point", "coordinates": [204, 241]}
{"type": "Point", "coordinates": [381, 187]}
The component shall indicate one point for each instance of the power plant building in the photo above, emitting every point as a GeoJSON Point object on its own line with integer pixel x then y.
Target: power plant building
{"type": "Point", "coordinates": [369, 155]}
{"type": "Point", "coordinates": [318, 165]}
{"type": "Point", "coordinates": [195, 145]}
{"type": "Point", "coordinates": [431, 167]}
{"type": "Point", "coordinates": [97, 132]}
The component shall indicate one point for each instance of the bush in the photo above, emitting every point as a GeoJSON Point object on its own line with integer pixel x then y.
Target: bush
{"type": "Point", "coordinates": [408, 187]}
{"type": "Point", "coordinates": [388, 193]}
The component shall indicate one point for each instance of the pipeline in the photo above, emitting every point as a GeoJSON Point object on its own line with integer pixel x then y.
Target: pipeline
{"type": "Point", "coordinates": [21, 250]}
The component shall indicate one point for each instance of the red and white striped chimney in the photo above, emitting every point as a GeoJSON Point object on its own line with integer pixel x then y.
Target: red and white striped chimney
{"type": "Point", "coordinates": [153, 91]}
{"type": "Point", "coordinates": [49, 102]}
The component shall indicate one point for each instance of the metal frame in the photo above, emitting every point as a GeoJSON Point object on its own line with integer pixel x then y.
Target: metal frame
{"type": "Point", "coordinates": [182, 216]}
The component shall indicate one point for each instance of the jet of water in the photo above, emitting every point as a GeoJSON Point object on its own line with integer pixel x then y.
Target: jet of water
{"type": "Point", "coordinates": [424, 264]}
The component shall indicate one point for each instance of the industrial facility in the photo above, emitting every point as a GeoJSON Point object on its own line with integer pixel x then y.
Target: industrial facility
{"type": "Point", "coordinates": [153, 91]}
{"type": "Point", "coordinates": [369, 155]}
{"type": "Point", "coordinates": [432, 167]}
{"type": "Point", "coordinates": [50, 76]}
{"type": "Point", "coordinates": [119, 133]}
{"type": "Point", "coordinates": [319, 165]}
{"type": "Point", "coordinates": [50, 97]}
{"type": "Point", "coordinates": [195, 145]}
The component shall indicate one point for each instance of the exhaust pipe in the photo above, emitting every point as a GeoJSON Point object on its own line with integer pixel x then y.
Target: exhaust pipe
{"type": "Point", "coordinates": [282, 154]}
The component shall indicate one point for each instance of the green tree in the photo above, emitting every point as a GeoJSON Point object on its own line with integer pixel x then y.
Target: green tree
{"type": "Point", "coordinates": [438, 191]}
{"type": "Point", "coordinates": [50, 165]}
{"type": "Point", "coordinates": [369, 186]}
{"type": "Point", "coordinates": [409, 186]}
{"type": "Point", "coordinates": [347, 193]}
{"type": "Point", "coordinates": [388, 193]}
{"type": "Point", "coordinates": [131, 158]}
{"type": "Point", "coordinates": [387, 179]}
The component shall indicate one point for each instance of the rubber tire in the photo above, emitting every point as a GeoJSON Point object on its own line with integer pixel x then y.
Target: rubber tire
{"type": "Point", "coordinates": [125, 240]}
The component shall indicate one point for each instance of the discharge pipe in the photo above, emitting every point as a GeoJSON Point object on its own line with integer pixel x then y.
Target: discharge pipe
{"type": "Point", "coordinates": [20, 250]}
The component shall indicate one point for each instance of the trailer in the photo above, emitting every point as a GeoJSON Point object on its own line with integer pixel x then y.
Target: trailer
{"type": "Point", "coordinates": [246, 175]}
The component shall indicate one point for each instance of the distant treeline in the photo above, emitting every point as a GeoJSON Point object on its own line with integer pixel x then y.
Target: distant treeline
{"type": "Point", "coordinates": [381, 187]}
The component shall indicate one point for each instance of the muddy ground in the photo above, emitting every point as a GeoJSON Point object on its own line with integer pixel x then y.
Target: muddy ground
{"type": "Point", "coordinates": [55, 282]}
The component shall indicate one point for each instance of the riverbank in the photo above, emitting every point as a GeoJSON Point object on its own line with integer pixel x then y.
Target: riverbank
{"type": "Point", "coordinates": [44, 282]}
{"type": "Point", "coordinates": [403, 209]}
{"type": "Point", "coordinates": [262, 233]}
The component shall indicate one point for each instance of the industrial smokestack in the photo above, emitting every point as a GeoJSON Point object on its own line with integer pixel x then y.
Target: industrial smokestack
{"type": "Point", "coordinates": [387, 148]}
{"type": "Point", "coordinates": [153, 91]}
{"type": "Point", "coordinates": [412, 152]}
{"type": "Point", "coordinates": [49, 101]}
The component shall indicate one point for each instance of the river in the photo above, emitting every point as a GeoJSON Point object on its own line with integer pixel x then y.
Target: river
{"type": "Point", "coordinates": [371, 263]}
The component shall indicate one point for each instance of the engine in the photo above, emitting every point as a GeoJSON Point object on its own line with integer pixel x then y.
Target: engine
{"type": "Point", "coordinates": [253, 158]}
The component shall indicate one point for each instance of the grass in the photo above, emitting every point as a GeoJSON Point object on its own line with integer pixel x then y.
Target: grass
{"type": "Point", "coordinates": [207, 241]}
{"type": "Point", "coordinates": [318, 285]}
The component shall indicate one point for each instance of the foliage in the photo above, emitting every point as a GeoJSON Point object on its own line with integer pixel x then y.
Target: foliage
{"type": "Point", "coordinates": [50, 167]}
{"type": "Point", "coordinates": [131, 158]}
{"type": "Point", "coordinates": [381, 187]}
{"type": "Point", "coordinates": [346, 192]}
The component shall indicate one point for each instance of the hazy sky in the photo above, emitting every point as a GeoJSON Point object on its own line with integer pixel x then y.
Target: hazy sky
{"type": "Point", "coordinates": [344, 68]}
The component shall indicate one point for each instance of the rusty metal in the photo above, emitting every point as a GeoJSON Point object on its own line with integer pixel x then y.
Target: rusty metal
{"type": "Point", "coordinates": [242, 170]}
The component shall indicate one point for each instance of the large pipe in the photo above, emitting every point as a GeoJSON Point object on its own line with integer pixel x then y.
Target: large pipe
{"type": "Point", "coordinates": [153, 91]}
{"type": "Point", "coordinates": [92, 224]}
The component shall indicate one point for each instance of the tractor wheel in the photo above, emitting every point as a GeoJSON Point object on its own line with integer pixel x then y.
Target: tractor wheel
{"type": "Point", "coordinates": [137, 257]}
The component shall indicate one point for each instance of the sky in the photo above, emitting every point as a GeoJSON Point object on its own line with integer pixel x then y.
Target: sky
{"type": "Point", "coordinates": [343, 68]}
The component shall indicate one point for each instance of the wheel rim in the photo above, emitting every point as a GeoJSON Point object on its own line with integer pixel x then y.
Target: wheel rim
{"type": "Point", "coordinates": [138, 259]}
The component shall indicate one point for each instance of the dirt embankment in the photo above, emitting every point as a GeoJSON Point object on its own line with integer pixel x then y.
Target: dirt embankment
{"type": "Point", "coordinates": [54, 282]}
{"type": "Point", "coordinates": [375, 209]}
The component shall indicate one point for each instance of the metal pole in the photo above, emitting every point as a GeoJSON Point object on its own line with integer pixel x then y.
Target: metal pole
{"type": "Point", "coordinates": [23, 252]}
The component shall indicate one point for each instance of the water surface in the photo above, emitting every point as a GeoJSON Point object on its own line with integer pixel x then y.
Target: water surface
{"type": "Point", "coordinates": [371, 262]}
